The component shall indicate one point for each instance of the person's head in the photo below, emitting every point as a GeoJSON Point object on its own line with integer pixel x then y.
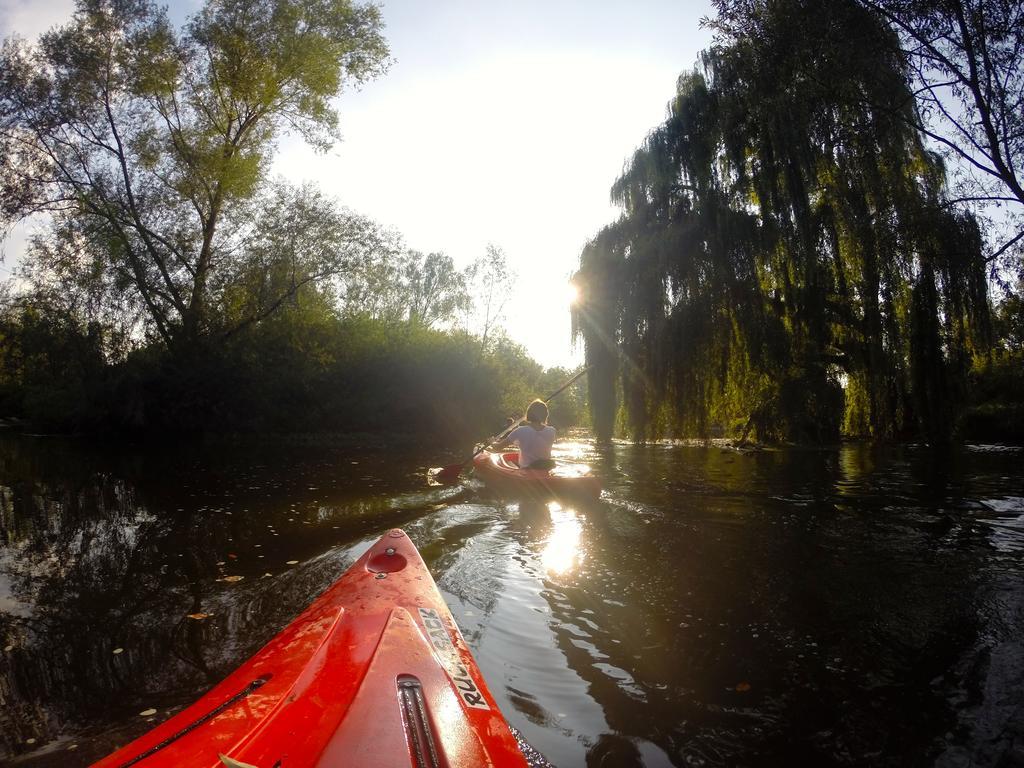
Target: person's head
{"type": "Point", "coordinates": [537, 412]}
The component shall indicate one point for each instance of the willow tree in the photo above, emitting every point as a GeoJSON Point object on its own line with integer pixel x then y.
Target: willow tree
{"type": "Point", "coordinates": [150, 147]}
{"type": "Point", "coordinates": [784, 259]}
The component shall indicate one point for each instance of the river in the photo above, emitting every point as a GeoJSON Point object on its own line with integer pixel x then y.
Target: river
{"type": "Point", "coordinates": [855, 606]}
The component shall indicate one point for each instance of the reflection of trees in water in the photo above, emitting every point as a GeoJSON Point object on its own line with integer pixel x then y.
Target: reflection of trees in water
{"type": "Point", "coordinates": [100, 572]}
{"type": "Point", "coordinates": [706, 570]}
{"type": "Point", "coordinates": [114, 551]}
{"type": "Point", "coordinates": [92, 566]}
{"type": "Point", "coordinates": [791, 593]}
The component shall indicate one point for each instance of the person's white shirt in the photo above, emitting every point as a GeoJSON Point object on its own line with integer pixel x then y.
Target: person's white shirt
{"type": "Point", "coordinates": [534, 444]}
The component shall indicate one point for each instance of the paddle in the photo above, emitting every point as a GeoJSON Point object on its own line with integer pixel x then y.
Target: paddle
{"type": "Point", "coordinates": [451, 473]}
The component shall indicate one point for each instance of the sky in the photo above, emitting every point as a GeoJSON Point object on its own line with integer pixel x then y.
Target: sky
{"type": "Point", "coordinates": [497, 123]}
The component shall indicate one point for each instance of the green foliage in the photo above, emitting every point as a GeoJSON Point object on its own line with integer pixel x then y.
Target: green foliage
{"type": "Point", "coordinates": [570, 407]}
{"type": "Point", "coordinates": [1009, 322]}
{"type": "Point", "coordinates": [781, 238]}
{"type": "Point", "coordinates": [396, 285]}
{"type": "Point", "coordinates": [996, 410]}
{"type": "Point", "coordinates": [306, 368]}
{"type": "Point", "coordinates": [52, 368]}
{"type": "Point", "coordinates": [177, 287]}
{"type": "Point", "coordinates": [521, 376]}
{"type": "Point", "coordinates": [996, 382]}
{"type": "Point", "coordinates": [436, 291]}
{"type": "Point", "coordinates": [149, 148]}
{"type": "Point", "coordinates": [298, 240]}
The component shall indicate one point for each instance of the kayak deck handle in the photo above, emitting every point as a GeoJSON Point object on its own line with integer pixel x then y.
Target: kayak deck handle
{"type": "Point", "coordinates": [418, 729]}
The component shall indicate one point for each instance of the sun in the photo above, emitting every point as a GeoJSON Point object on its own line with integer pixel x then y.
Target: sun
{"type": "Point", "coordinates": [572, 294]}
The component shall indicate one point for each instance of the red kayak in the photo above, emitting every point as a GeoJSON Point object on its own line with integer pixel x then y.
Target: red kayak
{"type": "Point", "coordinates": [373, 673]}
{"type": "Point", "coordinates": [502, 473]}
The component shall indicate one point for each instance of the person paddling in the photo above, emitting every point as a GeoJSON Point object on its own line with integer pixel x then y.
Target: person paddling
{"type": "Point", "coordinates": [450, 473]}
{"type": "Point", "coordinates": [534, 438]}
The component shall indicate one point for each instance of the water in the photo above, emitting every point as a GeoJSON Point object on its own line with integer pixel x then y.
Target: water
{"type": "Point", "coordinates": [849, 607]}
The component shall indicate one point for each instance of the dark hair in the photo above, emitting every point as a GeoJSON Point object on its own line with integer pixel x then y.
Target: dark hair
{"type": "Point", "coordinates": [537, 412]}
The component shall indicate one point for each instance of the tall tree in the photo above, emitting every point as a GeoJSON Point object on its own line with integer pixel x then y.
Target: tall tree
{"type": "Point", "coordinates": [149, 145]}
{"type": "Point", "coordinates": [296, 237]}
{"type": "Point", "coordinates": [435, 291]}
{"type": "Point", "coordinates": [397, 285]}
{"type": "Point", "coordinates": [489, 280]}
{"type": "Point", "coordinates": [966, 59]}
{"type": "Point", "coordinates": [778, 236]}
{"type": "Point", "coordinates": [966, 63]}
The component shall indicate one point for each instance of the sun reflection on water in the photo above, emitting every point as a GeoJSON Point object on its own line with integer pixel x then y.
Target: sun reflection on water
{"type": "Point", "coordinates": [562, 552]}
{"type": "Point", "coordinates": [572, 450]}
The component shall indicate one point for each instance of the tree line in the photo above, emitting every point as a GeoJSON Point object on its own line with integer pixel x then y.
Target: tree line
{"type": "Point", "coordinates": [174, 284]}
{"type": "Point", "coordinates": [808, 247]}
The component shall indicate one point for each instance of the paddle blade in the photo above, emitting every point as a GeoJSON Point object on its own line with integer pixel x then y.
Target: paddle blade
{"type": "Point", "coordinates": [445, 475]}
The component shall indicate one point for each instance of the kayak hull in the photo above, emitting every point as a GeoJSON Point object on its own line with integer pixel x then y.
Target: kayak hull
{"type": "Point", "coordinates": [374, 672]}
{"type": "Point", "coordinates": [501, 473]}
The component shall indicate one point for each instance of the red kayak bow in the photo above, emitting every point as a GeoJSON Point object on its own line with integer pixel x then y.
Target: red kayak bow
{"type": "Point", "coordinates": [373, 673]}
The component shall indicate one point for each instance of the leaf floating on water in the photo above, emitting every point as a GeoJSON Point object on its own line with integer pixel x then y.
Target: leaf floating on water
{"type": "Point", "coordinates": [742, 687]}
{"type": "Point", "coordinates": [230, 762]}
{"type": "Point", "coordinates": [266, 576]}
{"type": "Point", "coordinates": [292, 562]}
{"type": "Point", "coordinates": [8, 649]}
{"type": "Point", "coordinates": [118, 650]}
{"type": "Point", "coordinates": [199, 616]}
{"type": "Point", "coordinates": [147, 712]}
{"type": "Point", "coordinates": [221, 563]}
{"type": "Point", "coordinates": [231, 579]}
{"type": "Point", "coordinates": [232, 556]}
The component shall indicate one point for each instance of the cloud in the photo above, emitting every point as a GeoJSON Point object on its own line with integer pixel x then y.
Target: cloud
{"type": "Point", "coordinates": [30, 18]}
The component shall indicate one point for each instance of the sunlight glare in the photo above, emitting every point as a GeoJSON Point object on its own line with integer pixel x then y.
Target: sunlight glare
{"type": "Point", "coordinates": [562, 551]}
{"type": "Point", "coordinates": [572, 294]}
{"type": "Point", "coordinates": [572, 451]}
